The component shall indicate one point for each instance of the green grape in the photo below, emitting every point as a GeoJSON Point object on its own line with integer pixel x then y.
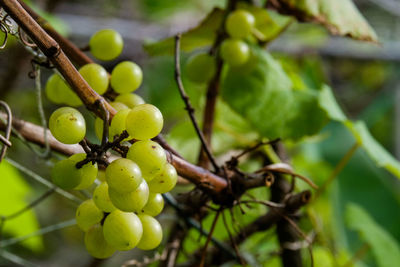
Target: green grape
{"type": "Point", "coordinates": [95, 243]}
{"type": "Point", "coordinates": [154, 205]}
{"type": "Point", "coordinates": [200, 68]}
{"type": "Point", "coordinates": [165, 181]}
{"type": "Point", "coordinates": [240, 23]}
{"type": "Point", "coordinates": [67, 125]}
{"type": "Point", "coordinates": [149, 156]}
{"type": "Point", "coordinates": [132, 201]}
{"type": "Point", "coordinates": [102, 199]}
{"type": "Point", "coordinates": [122, 230]}
{"type": "Point", "coordinates": [118, 124]}
{"type": "Point", "coordinates": [152, 233]}
{"type": "Point", "coordinates": [144, 122]}
{"type": "Point", "coordinates": [126, 77]}
{"type": "Point", "coordinates": [96, 76]}
{"type": "Point", "coordinates": [98, 128]}
{"type": "Point", "coordinates": [130, 99]}
{"type": "Point", "coordinates": [101, 176]}
{"type": "Point", "coordinates": [123, 175]}
{"type": "Point", "coordinates": [118, 106]}
{"type": "Point", "coordinates": [106, 44]}
{"type": "Point", "coordinates": [88, 214]}
{"type": "Point", "coordinates": [66, 176]}
{"type": "Point", "coordinates": [58, 91]}
{"type": "Point", "coordinates": [235, 52]}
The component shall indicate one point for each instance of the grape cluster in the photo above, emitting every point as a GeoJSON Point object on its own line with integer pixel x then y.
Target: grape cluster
{"type": "Point", "coordinates": [120, 214]}
{"type": "Point", "coordinates": [240, 24]}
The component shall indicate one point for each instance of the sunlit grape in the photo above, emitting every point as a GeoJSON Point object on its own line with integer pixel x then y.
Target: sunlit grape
{"type": "Point", "coordinates": [123, 175]}
{"type": "Point", "coordinates": [144, 122]}
{"type": "Point", "coordinates": [67, 125]}
{"type": "Point", "coordinates": [154, 205]}
{"type": "Point", "coordinates": [132, 201]}
{"type": "Point", "coordinates": [152, 233]}
{"type": "Point", "coordinates": [102, 199]}
{"type": "Point", "coordinates": [130, 99]}
{"type": "Point", "coordinates": [106, 44]}
{"type": "Point", "coordinates": [126, 77]}
{"type": "Point", "coordinates": [88, 214]}
{"type": "Point", "coordinates": [165, 181]}
{"type": "Point", "coordinates": [240, 23]}
{"type": "Point", "coordinates": [96, 76]}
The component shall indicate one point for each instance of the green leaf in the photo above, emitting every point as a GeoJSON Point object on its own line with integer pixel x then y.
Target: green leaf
{"type": "Point", "coordinates": [328, 102]}
{"type": "Point", "coordinates": [13, 194]}
{"type": "Point", "coordinates": [384, 247]}
{"type": "Point", "coordinates": [262, 93]}
{"type": "Point", "coordinates": [340, 17]}
{"type": "Point", "coordinates": [203, 35]}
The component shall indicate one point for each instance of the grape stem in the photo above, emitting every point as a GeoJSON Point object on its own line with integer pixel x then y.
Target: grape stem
{"type": "Point", "coordinates": [188, 105]}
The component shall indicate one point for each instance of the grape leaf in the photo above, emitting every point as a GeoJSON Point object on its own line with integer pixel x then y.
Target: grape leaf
{"type": "Point", "coordinates": [14, 191]}
{"type": "Point", "coordinates": [375, 151]}
{"type": "Point", "coordinates": [340, 17]}
{"type": "Point", "coordinates": [384, 247]}
{"type": "Point", "coordinates": [205, 33]}
{"type": "Point", "coordinates": [262, 93]}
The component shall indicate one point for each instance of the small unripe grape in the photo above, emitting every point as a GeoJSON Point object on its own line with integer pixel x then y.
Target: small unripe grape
{"type": "Point", "coordinates": [132, 201]}
{"type": "Point", "coordinates": [67, 125]}
{"type": "Point", "coordinates": [235, 52]}
{"type": "Point", "coordinates": [130, 99]}
{"type": "Point", "coordinates": [58, 91]}
{"type": "Point", "coordinates": [102, 199]}
{"type": "Point", "coordinates": [144, 122]}
{"type": "Point", "coordinates": [88, 214]}
{"type": "Point", "coordinates": [165, 181]}
{"type": "Point", "coordinates": [240, 23]}
{"type": "Point", "coordinates": [52, 90]}
{"type": "Point", "coordinates": [152, 233]}
{"type": "Point", "coordinates": [122, 230]}
{"type": "Point", "coordinates": [67, 176]}
{"type": "Point", "coordinates": [126, 77]}
{"type": "Point", "coordinates": [95, 243]}
{"type": "Point", "coordinates": [149, 156]}
{"type": "Point", "coordinates": [200, 68]}
{"type": "Point", "coordinates": [106, 44]}
{"type": "Point", "coordinates": [154, 205]}
{"type": "Point", "coordinates": [123, 175]}
{"type": "Point", "coordinates": [96, 76]}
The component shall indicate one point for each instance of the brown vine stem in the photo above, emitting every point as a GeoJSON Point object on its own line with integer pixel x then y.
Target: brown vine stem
{"type": "Point", "coordinates": [73, 52]}
{"type": "Point", "coordinates": [55, 54]}
{"type": "Point", "coordinates": [188, 105]}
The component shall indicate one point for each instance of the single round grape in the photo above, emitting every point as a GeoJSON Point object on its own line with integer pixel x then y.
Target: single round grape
{"type": "Point", "coordinates": [102, 199]}
{"type": "Point", "coordinates": [52, 89]}
{"type": "Point", "coordinates": [132, 201]}
{"type": "Point", "coordinates": [126, 77]}
{"type": "Point", "coordinates": [118, 124]}
{"type": "Point", "coordinates": [96, 76]}
{"type": "Point", "coordinates": [152, 233]}
{"type": "Point", "coordinates": [88, 214]}
{"type": "Point", "coordinates": [240, 23]}
{"type": "Point", "coordinates": [165, 181]}
{"type": "Point", "coordinates": [149, 156]}
{"type": "Point", "coordinates": [67, 125]}
{"type": "Point", "coordinates": [154, 205]}
{"type": "Point", "coordinates": [122, 230]}
{"type": "Point", "coordinates": [118, 106]}
{"type": "Point", "coordinates": [144, 122]}
{"type": "Point", "coordinates": [95, 243]}
{"type": "Point", "coordinates": [130, 99]}
{"type": "Point", "coordinates": [58, 91]}
{"type": "Point", "coordinates": [235, 52]}
{"type": "Point", "coordinates": [106, 44]}
{"type": "Point", "coordinates": [66, 176]}
{"type": "Point", "coordinates": [123, 175]}
{"type": "Point", "coordinates": [200, 68]}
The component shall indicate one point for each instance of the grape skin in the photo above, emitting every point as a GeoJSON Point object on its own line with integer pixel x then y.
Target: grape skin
{"type": "Point", "coordinates": [152, 233]}
{"type": "Point", "coordinates": [149, 156]}
{"type": "Point", "coordinates": [59, 92]}
{"type": "Point", "coordinates": [102, 199]}
{"type": "Point", "coordinates": [154, 205]}
{"type": "Point", "coordinates": [240, 23]}
{"type": "Point", "coordinates": [88, 214]}
{"type": "Point", "coordinates": [95, 243]}
{"type": "Point", "coordinates": [130, 99]}
{"type": "Point", "coordinates": [122, 230]}
{"type": "Point", "coordinates": [132, 201]}
{"type": "Point", "coordinates": [235, 52]}
{"type": "Point", "coordinates": [67, 125]}
{"type": "Point", "coordinates": [123, 175]}
{"type": "Point", "coordinates": [96, 76]}
{"type": "Point", "coordinates": [144, 122]}
{"type": "Point", "coordinates": [126, 77]}
{"type": "Point", "coordinates": [165, 181]}
{"type": "Point", "coordinates": [106, 44]}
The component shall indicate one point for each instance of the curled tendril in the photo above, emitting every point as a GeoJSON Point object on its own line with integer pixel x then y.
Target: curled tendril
{"type": "Point", "coordinates": [22, 37]}
{"type": "Point", "coordinates": [4, 29]}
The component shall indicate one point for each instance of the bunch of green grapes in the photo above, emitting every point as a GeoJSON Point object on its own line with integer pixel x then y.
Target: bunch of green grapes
{"type": "Point", "coordinates": [128, 194]}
